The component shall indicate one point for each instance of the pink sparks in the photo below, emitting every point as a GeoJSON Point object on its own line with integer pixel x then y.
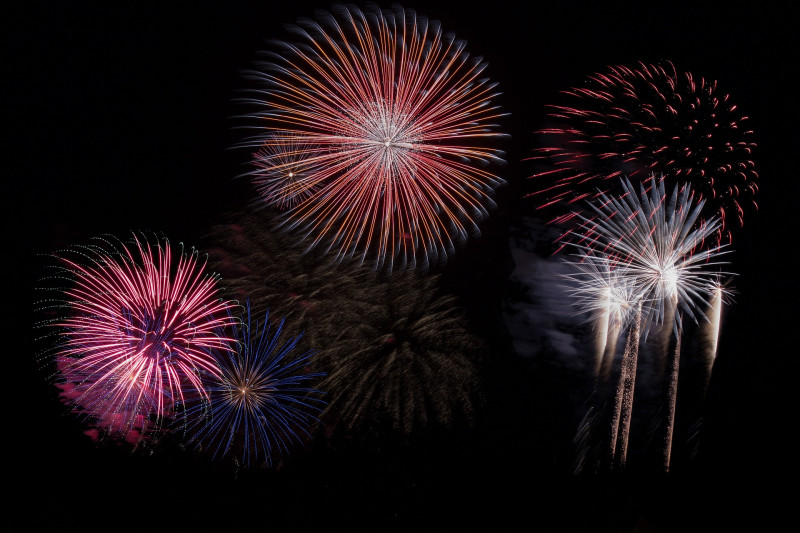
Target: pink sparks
{"type": "Point", "coordinates": [139, 333]}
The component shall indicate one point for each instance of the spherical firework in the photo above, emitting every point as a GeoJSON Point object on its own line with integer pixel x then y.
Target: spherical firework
{"type": "Point", "coordinates": [396, 123]}
{"type": "Point", "coordinates": [650, 119]}
{"type": "Point", "coordinates": [399, 352]}
{"type": "Point", "coordinates": [259, 406]}
{"type": "Point", "coordinates": [138, 331]}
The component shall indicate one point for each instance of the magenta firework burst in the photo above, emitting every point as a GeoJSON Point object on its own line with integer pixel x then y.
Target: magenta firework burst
{"type": "Point", "coordinates": [651, 119]}
{"type": "Point", "coordinates": [139, 331]}
{"type": "Point", "coordinates": [393, 127]}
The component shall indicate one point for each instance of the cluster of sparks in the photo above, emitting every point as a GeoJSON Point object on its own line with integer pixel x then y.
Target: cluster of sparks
{"type": "Point", "coordinates": [146, 343]}
{"type": "Point", "coordinates": [398, 354]}
{"type": "Point", "coordinates": [652, 242]}
{"type": "Point", "coordinates": [388, 123]}
{"type": "Point", "coordinates": [641, 261]}
{"type": "Point", "coordinates": [645, 258]}
{"type": "Point", "coordinates": [139, 332]}
{"type": "Point", "coordinates": [375, 138]}
{"type": "Point", "coordinates": [261, 404]}
{"type": "Point", "coordinates": [634, 122]}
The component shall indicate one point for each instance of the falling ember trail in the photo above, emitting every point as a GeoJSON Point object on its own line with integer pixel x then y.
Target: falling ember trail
{"type": "Point", "coordinates": [672, 398]}
{"type": "Point", "coordinates": [628, 382]}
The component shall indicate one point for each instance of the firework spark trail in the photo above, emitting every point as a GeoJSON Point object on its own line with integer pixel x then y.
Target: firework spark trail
{"type": "Point", "coordinates": [672, 398]}
{"type": "Point", "coordinates": [138, 331]}
{"type": "Point", "coordinates": [628, 384]}
{"type": "Point", "coordinates": [399, 120]}
{"type": "Point", "coordinates": [259, 406]}
{"type": "Point", "coordinates": [714, 315]}
{"type": "Point", "coordinates": [653, 240]}
{"type": "Point", "coordinates": [650, 119]}
{"type": "Point", "coordinates": [617, 415]}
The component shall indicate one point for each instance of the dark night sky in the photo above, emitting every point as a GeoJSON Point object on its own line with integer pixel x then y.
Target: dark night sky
{"type": "Point", "coordinates": [118, 118]}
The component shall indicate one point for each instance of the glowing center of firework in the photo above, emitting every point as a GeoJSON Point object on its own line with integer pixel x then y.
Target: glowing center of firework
{"type": "Point", "coordinates": [668, 280]}
{"type": "Point", "coordinates": [155, 337]}
{"type": "Point", "coordinates": [157, 342]}
{"type": "Point", "coordinates": [291, 174]}
{"type": "Point", "coordinates": [389, 129]}
{"type": "Point", "coordinates": [617, 302]}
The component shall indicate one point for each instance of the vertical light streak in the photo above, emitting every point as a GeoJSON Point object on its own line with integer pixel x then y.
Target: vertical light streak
{"type": "Point", "coordinates": [628, 384]}
{"type": "Point", "coordinates": [672, 398]}
{"type": "Point", "coordinates": [713, 326]}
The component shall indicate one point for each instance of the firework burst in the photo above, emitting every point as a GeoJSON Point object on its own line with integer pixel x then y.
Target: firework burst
{"type": "Point", "coordinates": [657, 241]}
{"type": "Point", "coordinates": [608, 296]}
{"type": "Point", "coordinates": [397, 125]}
{"type": "Point", "coordinates": [259, 406]}
{"type": "Point", "coordinates": [283, 171]}
{"type": "Point", "coordinates": [649, 120]}
{"type": "Point", "coordinates": [398, 354]}
{"type": "Point", "coordinates": [260, 264]}
{"type": "Point", "coordinates": [652, 242]}
{"type": "Point", "coordinates": [138, 331]}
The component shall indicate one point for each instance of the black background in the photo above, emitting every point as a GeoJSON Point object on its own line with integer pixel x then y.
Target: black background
{"type": "Point", "coordinates": [117, 117]}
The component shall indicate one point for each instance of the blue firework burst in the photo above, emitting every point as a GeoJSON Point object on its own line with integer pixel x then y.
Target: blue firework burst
{"type": "Point", "coordinates": [262, 403]}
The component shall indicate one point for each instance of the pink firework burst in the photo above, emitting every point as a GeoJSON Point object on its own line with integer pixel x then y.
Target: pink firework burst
{"type": "Point", "coordinates": [635, 122]}
{"type": "Point", "coordinates": [139, 333]}
{"type": "Point", "coordinates": [398, 125]}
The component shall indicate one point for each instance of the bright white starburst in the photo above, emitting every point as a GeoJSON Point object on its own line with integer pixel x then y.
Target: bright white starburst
{"type": "Point", "coordinates": [603, 291]}
{"type": "Point", "coordinates": [655, 240]}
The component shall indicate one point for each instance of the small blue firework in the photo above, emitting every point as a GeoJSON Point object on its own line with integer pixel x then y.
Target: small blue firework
{"type": "Point", "coordinates": [260, 406]}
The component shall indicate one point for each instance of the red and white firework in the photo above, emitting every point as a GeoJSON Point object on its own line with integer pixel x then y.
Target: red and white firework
{"type": "Point", "coordinates": [398, 125]}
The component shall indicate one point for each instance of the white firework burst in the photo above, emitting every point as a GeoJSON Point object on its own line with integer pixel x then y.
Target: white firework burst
{"type": "Point", "coordinates": [656, 240]}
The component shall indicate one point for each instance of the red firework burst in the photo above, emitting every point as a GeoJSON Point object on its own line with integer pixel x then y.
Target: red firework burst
{"type": "Point", "coordinates": [139, 332]}
{"type": "Point", "coordinates": [390, 122]}
{"type": "Point", "coordinates": [650, 120]}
